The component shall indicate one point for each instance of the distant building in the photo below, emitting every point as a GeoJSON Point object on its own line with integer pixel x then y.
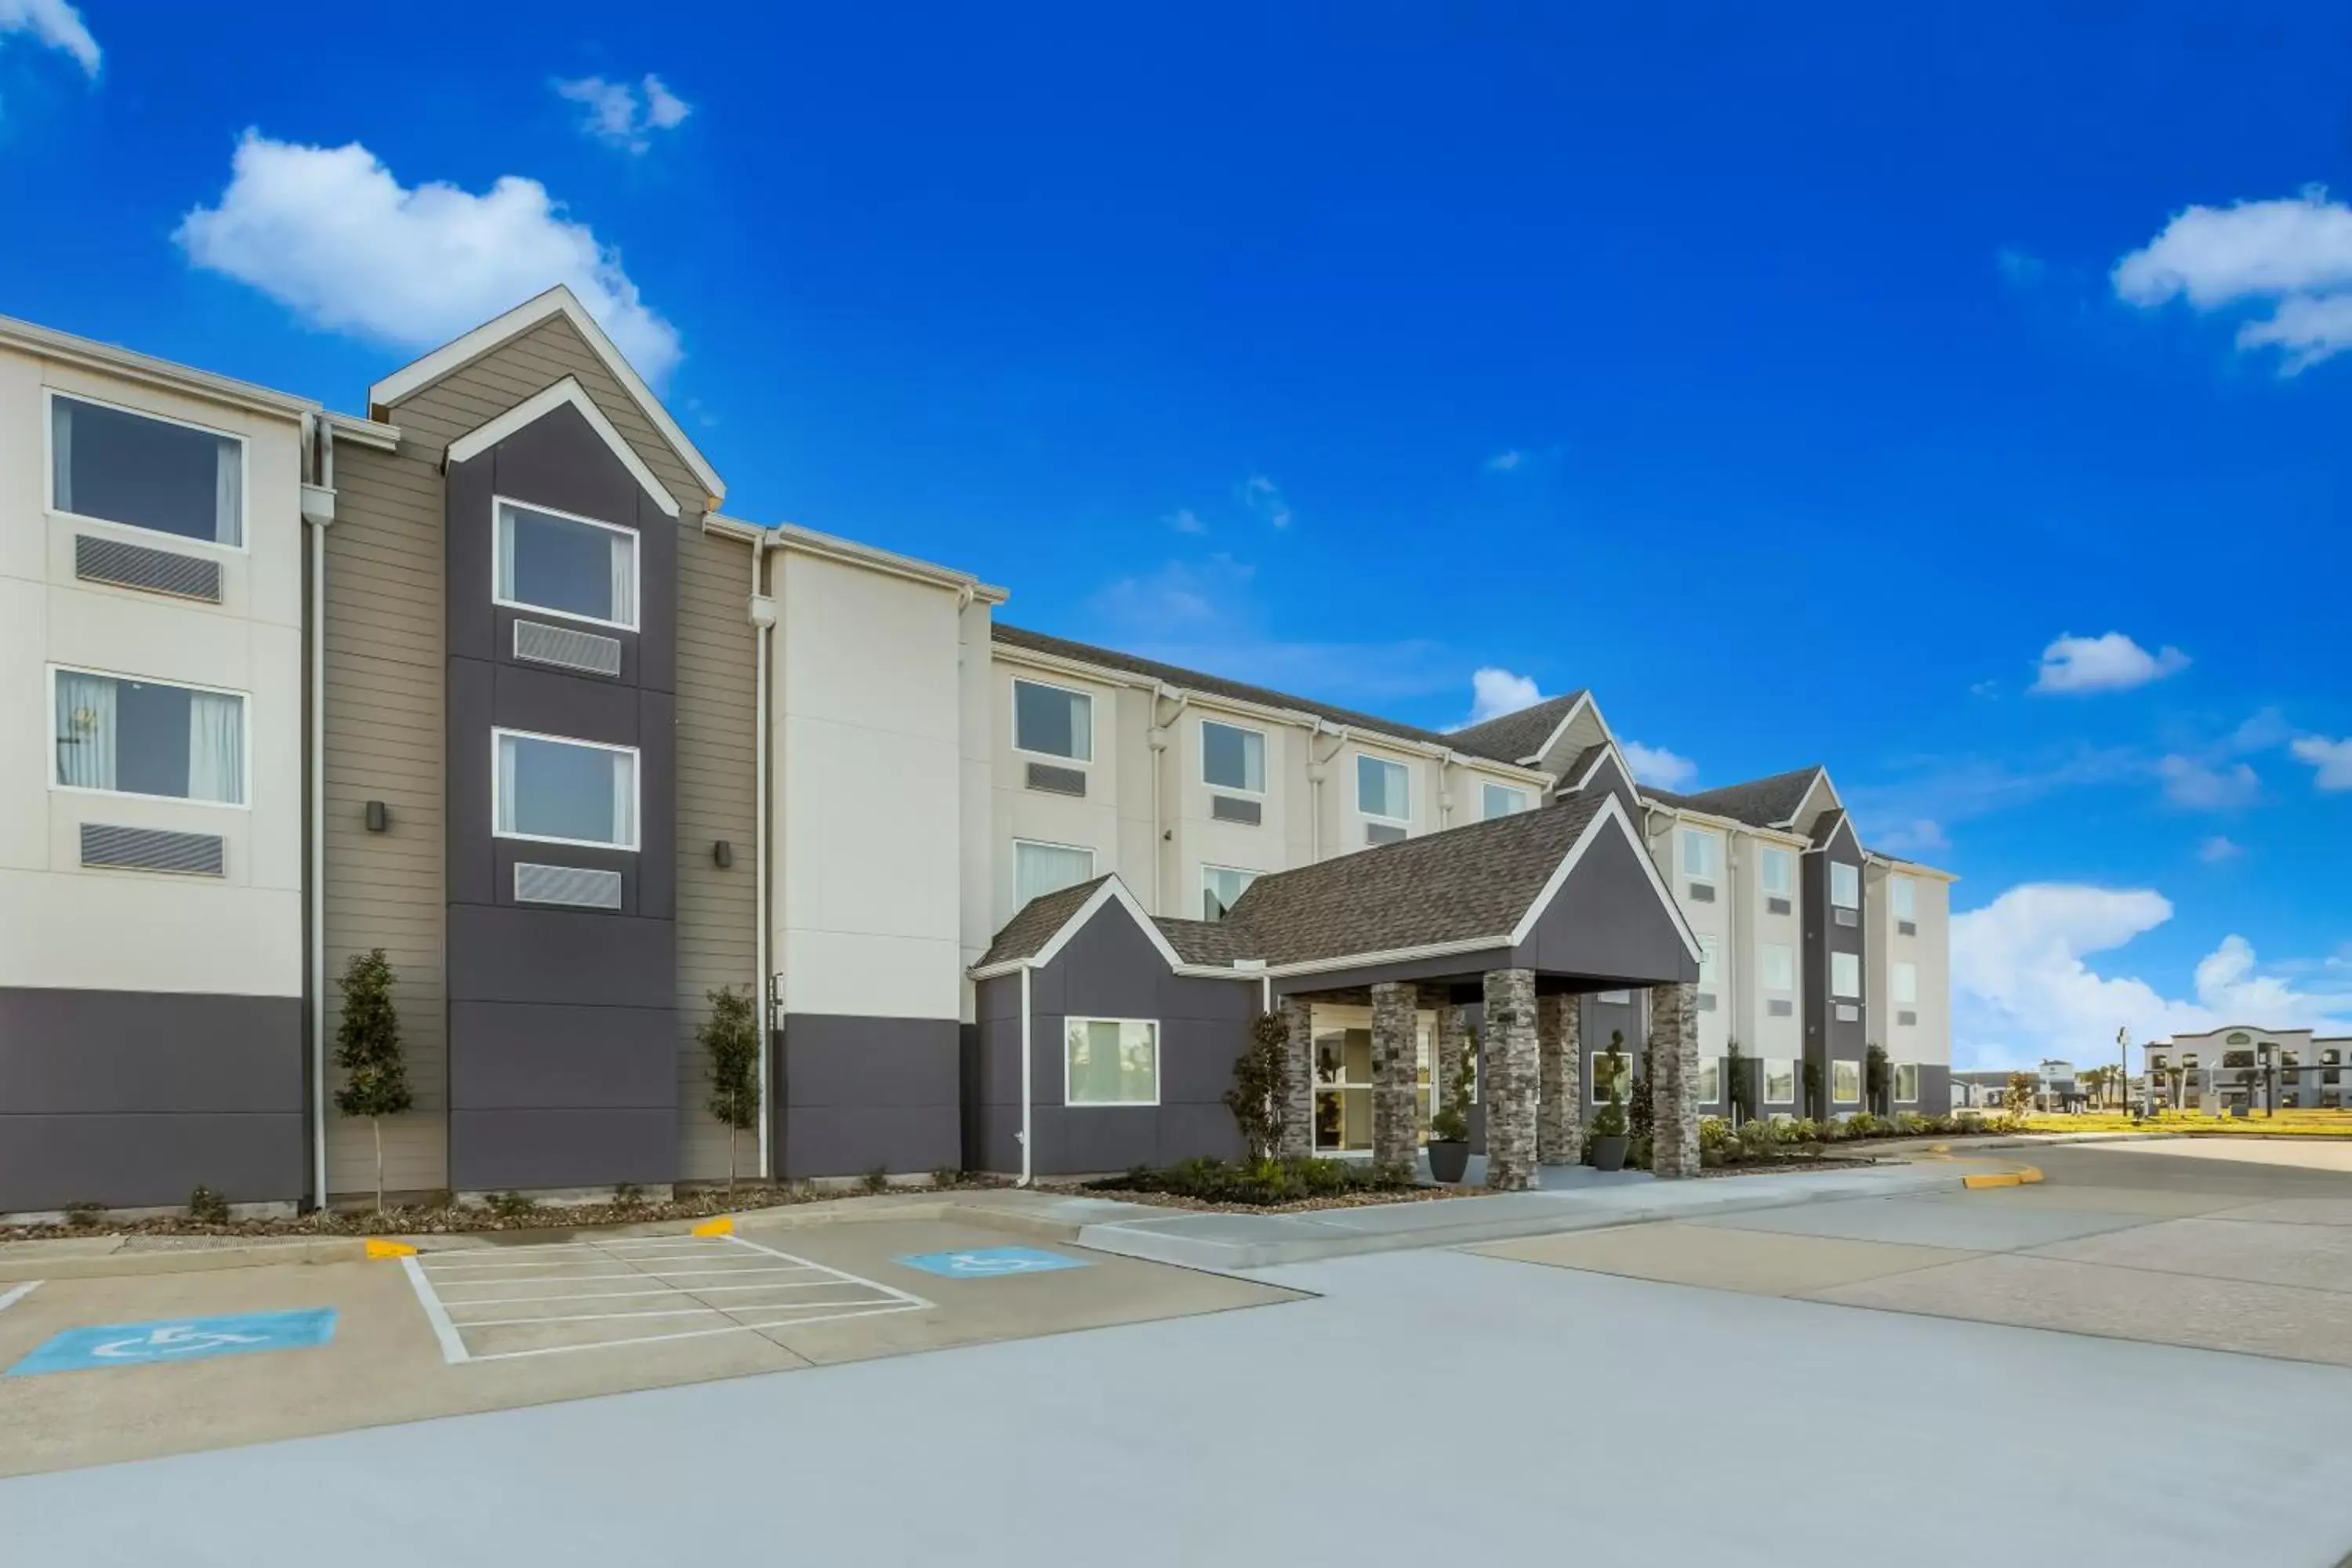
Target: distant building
{"type": "Point", "coordinates": [2240, 1065]}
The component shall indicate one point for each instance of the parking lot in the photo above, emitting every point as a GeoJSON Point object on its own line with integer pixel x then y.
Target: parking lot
{"type": "Point", "coordinates": [106, 1369]}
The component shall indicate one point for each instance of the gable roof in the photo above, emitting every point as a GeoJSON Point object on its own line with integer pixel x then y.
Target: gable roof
{"type": "Point", "coordinates": [566, 392]}
{"type": "Point", "coordinates": [1036, 922]}
{"type": "Point", "coordinates": [1520, 737]}
{"type": "Point", "coordinates": [452, 357]}
{"type": "Point", "coordinates": [1240, 691]}
{"type": "Point", "coordinates": [1759, 803]}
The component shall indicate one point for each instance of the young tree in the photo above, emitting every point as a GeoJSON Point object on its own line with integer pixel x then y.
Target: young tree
{"type": "Point", "coordinates": [368, 1050]}
{"type": "Point", "coordinates": [1816, 1104]}
{"type": "Point", "coordinates": [1260, 1097]}
{"type": "Point", "coordinates": [1878, 1079]}
{"type": "Point", "coordinates": [729, 1038]}
{"type": "Point", "coordinates": [2018, 1098]}
{"type": "Point", "coordinates": [1735, 1083]}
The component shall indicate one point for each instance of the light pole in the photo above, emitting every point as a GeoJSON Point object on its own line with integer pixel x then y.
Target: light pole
{"type": "Point", "coordinates": [2123, 1065]}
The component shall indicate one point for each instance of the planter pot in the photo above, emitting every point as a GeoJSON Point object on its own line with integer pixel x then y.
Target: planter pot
{"type": "Point", "coordinates": [1608, 1154]}
{"type": "Point", "coordinates": [1448, 1159]}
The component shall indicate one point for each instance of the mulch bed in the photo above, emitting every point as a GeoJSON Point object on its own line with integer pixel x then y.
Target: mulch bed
{"type": "Point", "coordinates": [1777, 1167]}
{"type": "Point", "coordinates": [1301, 1205]}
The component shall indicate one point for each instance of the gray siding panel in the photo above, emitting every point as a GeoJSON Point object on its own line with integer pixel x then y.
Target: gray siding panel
{"type": "Point", "coordinates": [493, 1150]}
{"type": "Point", "coordinates": [1607, 922]}
{"type": "Point", "coordinates": [854, 1094]}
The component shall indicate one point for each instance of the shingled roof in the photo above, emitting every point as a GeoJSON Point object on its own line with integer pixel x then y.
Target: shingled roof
{"type": "Point", "coordinates": [1759, 803]}
{"type": "Point", "coordinates": [1516, 736]}
{"type": "Point", "coordinates": [1241, 692]}
{"type": "Point", "coordinates": [1034, 924]}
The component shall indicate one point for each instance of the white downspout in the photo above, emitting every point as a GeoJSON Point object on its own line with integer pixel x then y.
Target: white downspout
{"type": "Point", "coordinates": [1027, 1165]}
{"type": "Point", "coordinates": [763, 620]}
{"type": "Point", "coordinates": [1314, 768]}
{"type": "Point", "coordinates": [323, 446]}
{"type": "Point", "coordinates": [1155, 738]}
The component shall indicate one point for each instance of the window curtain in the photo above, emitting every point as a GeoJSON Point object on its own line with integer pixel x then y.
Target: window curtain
{"type": "Point", "coordinates": [624, 800]}
{"type": "Point", "coordinates": [624, 585]}
{"type": "Point", "coordinates": [505, 588]}
{"type": "Point", "coordinates": [506, 765]}
{"type": "Point", "coordinates": [228, 493]}
{"type": "Point", "coordinates": [86, 728]}
{"type": "Point", "coordinates": [61, 454]}
{"type": "Point", "coordinates": [216, 748]}
{"type": "Point", "coordinates": [1047, 868]}
{"type": "Point", "coordinates": [1082, 744]}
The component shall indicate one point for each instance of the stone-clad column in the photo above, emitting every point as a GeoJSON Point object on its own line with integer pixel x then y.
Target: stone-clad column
{"type": "Point", "coordinates": [1395, 1075]}
{"type": "Point", "coordinates": [1560, 1109]}
{"type": "Point", "coordinates": [1299, 1026]}
{"type": "Point", "coordinates": [1674, 1080]}
{"type": "Point", "coordinates": [1509, 1090]}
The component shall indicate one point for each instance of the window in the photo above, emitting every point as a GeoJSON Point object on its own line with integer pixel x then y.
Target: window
{"type": "Point", "coordinates": [1779, 965]}
{"type": "Point", "coordinates": [1845, 1081]}
{"type": "Point", "coordinates": [1502, 800]}
{"type": "Point", "coordinates": [1902, 894]}
{"type": "Point", "coordinates": [148, 737]}
{"type": "Point", "coordinates": [1710, 1079]}
{"type": "Point", "coordinates": [1053, 722]}
{"type": "Point", "coordinates": [1779, 1083]}
{"type": "Point", "coordinates": [565, 565]}
{"type": "Point", "coordinates": [567, 792]}
{"type": "Point", "coordinates": [1907, 983]}
{"type": "Point", "coordinates": [1707, 970]}
{"type": "Point", "coordinates": [1110, 1061]}
{"type": "Point", "coordinates": [1846, 885]}
{"type": "Point", "coordinates": [1601, 1077]}
{"type": "Point", "coordinates": [1845, 975]}
{"type": "Point", "coordinates": [1233, 757]}
{"type": "Point", "coordinates": [1383, 789]}
{"type": "Point", "coordinates": [1040, 869]}
{"type": "Point", "coordinates": [1617, 998]}
{"type": "Point", "coordinates": [1778, 869]}
{"type": "Point", "coordinates": [136, 468]}
{"type": "Point", "coordinates": [1702, 855]}
{"type": "Point", "coordinates": [1221, 888]}
{"type": "Point", "coordinates": [1906, 1083]}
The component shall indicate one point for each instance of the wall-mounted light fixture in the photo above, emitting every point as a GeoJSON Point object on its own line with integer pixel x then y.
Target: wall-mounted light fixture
{"type": "Point", "coordinates": [379, 817]}
{"type": "Point", "coordinates": [722, 854]}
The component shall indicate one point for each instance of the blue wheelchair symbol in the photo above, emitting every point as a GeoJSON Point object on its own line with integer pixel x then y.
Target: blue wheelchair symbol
{"type": "Point", "coordinates": [178, 1339]}
{"type": "Point", "coordinates": [993, 1262]}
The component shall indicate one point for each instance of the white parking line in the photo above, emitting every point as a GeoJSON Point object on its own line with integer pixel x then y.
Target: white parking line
{"type": "Point", "coordinates": [16, 1293]}
{"type": "Point", "coordinates": [684, 1278]}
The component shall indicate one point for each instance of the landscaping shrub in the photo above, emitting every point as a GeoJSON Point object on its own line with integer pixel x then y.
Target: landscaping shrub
{"type": "Point", "coordinates": [207, 1207]}
{"type": "Point", "coordinates": [1260, 1097]}
{"type": "Point", "coordinates": [1261, 1181]}
{"type": "Point", "coordinates": [511, 1205]}
{"type": "Point", "coordinates": [876, 1180]}
{"type": "Point", "coordinates": [1758, 1138]}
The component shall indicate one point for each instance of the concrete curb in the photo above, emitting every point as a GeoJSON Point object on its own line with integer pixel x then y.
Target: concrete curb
{"type": "Point", "coordinates": [127, 1260]}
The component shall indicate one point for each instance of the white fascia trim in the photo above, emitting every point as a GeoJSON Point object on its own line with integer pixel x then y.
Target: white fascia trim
{"type": "Point", "coordinates": [365, 432]}
{"type": "Point", "coordinates": [1821, 778]}
{"type": "Point", "coordinates": [1582, 701]}
{"type": "Point", "coordinates": [89, 355]}
{"type": "Point", "coordinates": [1612, 809]}
{"type": "Point", "coordinates": [1112, 889]}
{"type": "Point", "coordinates": [850, 552]}
{"type": "Point", "coordinates": [1845, 826]}
{"type": "Point", "coordinates": [1386, 955]}
{"type": "Point", "coordinates": [1778, 835]}
{"type": "Point", "coordinates": [529, 412]}
{"type": "Point", "coordinates": [451, 357]}
{"type": "Point", "coordinates": [1909, 868]}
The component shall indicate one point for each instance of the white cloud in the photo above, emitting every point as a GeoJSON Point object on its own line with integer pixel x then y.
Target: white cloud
{"type": "Point", "coordinates": [2018, 268]}
{"type": "Point", "coordinates": [1656, 765]}
{"type": "Point", "coordinates": [1184, 519]}
{"type": "Point", "coordinates": [2196, 786]}
{"type": "Point", "coordinates": [2219, 850]}
{"type": "Point", "coordinates": [2292, 254]}
{"type": "Point", "coordinates": [1504, 462]}
{"type": "Point", "coordinates": [2072, 666]}
{"type": "Point", "coordinates": [2022, 990]}
{"type": "Point", "coordinates": [1264, 497]}
{"type": "Point", "coordinates": [1495, 692]}
{"type": "Point", "coordinates": [1181, 596]}
{"type": "Point", "coordinates": [329, 232]}
{"type": "Point", "coordinates": [54, 23]}
{"type": "Point", "coordinates": [2332, 758]}
{"type": "Point", "coordinates": [621, 114]}
{"type": "Point", "coordinates": [1920, 836]}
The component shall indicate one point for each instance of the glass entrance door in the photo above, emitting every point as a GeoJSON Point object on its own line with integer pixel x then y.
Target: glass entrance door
{"type": "Point", "coordinates": [1343, 1077]}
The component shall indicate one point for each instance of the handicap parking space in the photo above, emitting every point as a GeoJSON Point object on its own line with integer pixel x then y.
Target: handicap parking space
{"type": "Point", "coordinates": [97, 1370]}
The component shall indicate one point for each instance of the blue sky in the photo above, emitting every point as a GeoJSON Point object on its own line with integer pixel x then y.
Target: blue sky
{"type": "Point", "coordinates": [1798, 384]}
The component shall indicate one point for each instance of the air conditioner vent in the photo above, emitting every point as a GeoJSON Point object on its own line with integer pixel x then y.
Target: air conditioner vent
{"type": "Point", "coordinates": [1847, 1012]}
{"type": "Point", "coordinates": [1057, 780]}
{"type": "Point", "coordinates": [1906, 928]}
{"type": "Point", "coordinates": [566, 648]}
{"type": "Point", "coordinates": [151, 849]}
{"type": "Point", "coordinates": [1906, 1018]}
{"type": "Point", "coordinates": [1780, 1009]}
{"type": "Point", "coordinates": [1848, 917]}
{"type": "Point", "coordinates": [122, 564]}
{"type": "Point", "coordinates": [1227, 808]}
{"type": "Point", "coordinates": [1706, 1001]}
{"type": "Point", "coordinates": [575, 887]}
{"type": "Point", "coordinates": [1776, 906]}
{"type": "Point", "coordinates": [1384, 833]}
{"type": "Point", "coordinates": [1701, 892]}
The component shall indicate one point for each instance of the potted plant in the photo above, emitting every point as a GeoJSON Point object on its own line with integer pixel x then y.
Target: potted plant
{"type": "Point", "coordinates": [1449, 1129]}
{"type": "Point", "coordinates": [1610, 1138]}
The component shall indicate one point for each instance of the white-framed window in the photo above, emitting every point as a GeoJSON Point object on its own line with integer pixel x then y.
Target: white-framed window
{"type": "Point", "coordinates": [1702, 855]}
{"type": "Point", "coordinates": [1846, 885]}
{"type": "Point", "coordinates": [1777, 967]}
{"type": "Point", "coordinates": [1110, 1061]}
{"type": "Point", "coordinates": [1906, 1083]}
{"type": "Point", "coordinates": [1907, 983]}
{"type": "Point", "coordinates": [1776, 870]}
{"type": "Point", "coordinates": [1708, 968]}
{"type": "Point", "coordinates": [1710, 1079]}
{"type": "Point", "coordinates": [1039, 868]}
{"type": "Point", "coordinates": [145, 471]}
{"type": "Point", "coordinates": [1845, 975]}
{"type": "Point", "coordinates": [1601, 1076]}
{"type": "Point", "coordinates": [120, 734]}
{"type": "Point", "coordinates": [1383, 789]}
{"type": "Point", "coordinates": [1233, 757]}
{"type": "Point", "coordinates": [1222, 887]}
{"type": "Point", "coordinates": [1500, 800]}
{"type": "Point", "coordinates": [556, 790]}
{"type": "Point", "coordinates": [563, 565]}
{"type": "Point", "coordinates": [1845, 1081]}
{"type": "Point", "coordinates": [1780, 1082]}
{"type": "Point", "coordinates": [1619, 999]}
{"type": "Point", "coordinates": [1053, 722]}
{"type": "Point", "coordinates": [1902, 895]}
